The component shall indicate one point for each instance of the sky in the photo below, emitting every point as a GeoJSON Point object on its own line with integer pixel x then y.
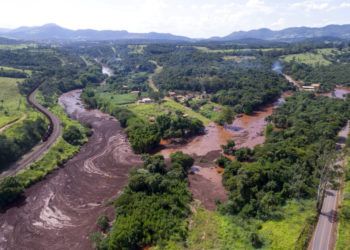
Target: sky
{"type": "Point", "coordinates": [192, 18]}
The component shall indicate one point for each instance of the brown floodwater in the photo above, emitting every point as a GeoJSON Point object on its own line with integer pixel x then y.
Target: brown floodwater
{"type": "Point", "coordinates": [206, 179]}
{"type": "Point", "coordinates": [339, 92]}
{"type": "Point", "coordinates": [246, 131]}
{"type": "Point", "coordinates": [61, 211]}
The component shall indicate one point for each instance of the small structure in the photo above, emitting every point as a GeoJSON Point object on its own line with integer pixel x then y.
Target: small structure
{"type": "Point", "coordinates": [145, 100]}
{"type": "Point", "coordinates": [308, 88]}
{"type": "Point", "coordinates": [316, 86]}
{"type": "Point", "coordinates": [312, 88]}
{"type": "Point", "coordinates": [136, 92]}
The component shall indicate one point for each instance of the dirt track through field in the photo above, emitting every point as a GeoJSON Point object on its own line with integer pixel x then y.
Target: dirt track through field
{"type": "Point", "coordinates": [61, 211]}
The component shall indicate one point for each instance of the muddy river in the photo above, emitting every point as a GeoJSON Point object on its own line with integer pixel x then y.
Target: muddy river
{"type": "Point", "coordinates": [246, 131]}
{"type": "Point", "coordinates": [61, 211]}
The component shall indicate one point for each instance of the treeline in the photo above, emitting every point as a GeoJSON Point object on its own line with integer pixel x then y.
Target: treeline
{"type": "Point", "coordinates": [28, 134]}
{"type": "Point", "coordinates": [298, 146]}
{"type": "Point", "coordinates": [55, 81]}
{"type": "Point", "coordinates": [327, 75]}
{"type": "Point", "coordinates": [28, 58]}
{"type": "Point", "coordinates": [12, 73]}
{"type": "Point", "coordinates": [153, 207]}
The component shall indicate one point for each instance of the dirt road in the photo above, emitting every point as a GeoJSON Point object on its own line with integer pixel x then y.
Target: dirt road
{"type": "Point", "coordinates": [61, 211]}
{"type": "Point", "coordinates": [38, 151]}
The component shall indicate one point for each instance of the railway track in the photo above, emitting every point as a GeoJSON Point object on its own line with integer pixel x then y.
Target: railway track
{"type": "Point", "coordinates": [53, 132]}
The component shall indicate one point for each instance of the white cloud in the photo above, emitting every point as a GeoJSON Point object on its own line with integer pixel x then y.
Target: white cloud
{"type": "Point", "coordinates": [345, 5]}
{"type": "Point", "coordinates": [311, 5]}
{"type": "Point", "coordinates": [194, 18]}
{"type": "Point", "coordinates": [280, 23]}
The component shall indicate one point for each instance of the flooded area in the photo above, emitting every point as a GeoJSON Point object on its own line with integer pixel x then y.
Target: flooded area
{"type": "Point", "coordinates": [61, 211]}
{"type": "Point", "coordinates": [246, 131]}
{"type": "Point", "coordinates": [339, 92]}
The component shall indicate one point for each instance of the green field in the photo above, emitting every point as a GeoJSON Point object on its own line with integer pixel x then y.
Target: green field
{"type": "Point", "coordinates": [284, 233]}
{"type": "Point", "coordinates": [343, 241]}
{"type": "Point", "coordinates": [212, 230]}
{"type": "Point", "coordinates": [29, 72]}
{"type": "Point", "coordinates": [12, 105]}
{"type": "Point", "coordinates": [17, 46]}
{"type": "Point", "coordinates": [146, 111]}
{"type": "Point", "coordinates": [211, 111]}
{"type": "Point", "coordinates": [116, 99]}
{"type": "Point", "coordinates": [311, 58]}
{"type": "Point", "coordinates": [207, 50]}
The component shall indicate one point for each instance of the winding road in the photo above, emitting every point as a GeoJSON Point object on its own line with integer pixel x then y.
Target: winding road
{"type": "Point", "coordinates": [38, 151]}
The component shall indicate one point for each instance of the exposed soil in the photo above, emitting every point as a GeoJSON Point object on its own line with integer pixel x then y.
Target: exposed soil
{"type": "Point", "coordinates": [206, 179]}
{"type": "Point", "coordinates": [61, 211]}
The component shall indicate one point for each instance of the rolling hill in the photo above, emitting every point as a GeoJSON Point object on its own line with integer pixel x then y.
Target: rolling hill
{"type": "Point", "coordinates": [53, 32]}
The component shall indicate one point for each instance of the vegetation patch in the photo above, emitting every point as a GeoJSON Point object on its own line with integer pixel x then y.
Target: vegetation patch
{"type": "Point", "coordinates": [12, 104]}
{"type": "Point", "coordinates": [153, 207]}
{"type": "Point", "coordinates": [288, 164]}
{"type": "Point", "coordinates": [343, 241]}
{"type": "Point", "coordinates": [311, 58]}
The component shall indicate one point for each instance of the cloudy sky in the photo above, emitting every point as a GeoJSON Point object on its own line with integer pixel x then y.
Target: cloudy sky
{"type": "Point", "coordinates": [193, 18]}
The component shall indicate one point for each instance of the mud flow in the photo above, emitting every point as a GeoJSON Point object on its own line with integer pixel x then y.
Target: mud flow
{"type": "Point", "coordinates": [206, 178]}
{"type": "Point", "coordinates": [60, 212]}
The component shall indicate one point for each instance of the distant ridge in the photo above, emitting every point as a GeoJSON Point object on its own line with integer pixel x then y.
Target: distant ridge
{"type": "Point", "coordinates": [53, 32]}
{"type": "Point", "coordinates": [290, 34]}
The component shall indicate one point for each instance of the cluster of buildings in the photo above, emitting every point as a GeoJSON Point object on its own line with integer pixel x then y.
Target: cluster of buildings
{"type": "Point", "coordinates": [186, 97]}
{"type": "Point", "coordinates": [312, 88]}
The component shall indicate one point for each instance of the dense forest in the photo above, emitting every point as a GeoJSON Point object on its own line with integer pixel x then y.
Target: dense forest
{"type": "Point", "coordinates": [153, 207]}
{"type": "Point", "coordinates": [11, 149]}
{"type": "Point", "coordinates": [243, 84]}
{"type": "Point", "coordinates": [300, 144]}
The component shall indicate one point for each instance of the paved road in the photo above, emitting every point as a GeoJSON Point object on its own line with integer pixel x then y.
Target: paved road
{"type": "Point", "coordinates": [37, 152]}
{"type": "Point", "coordinates": [323, 238]}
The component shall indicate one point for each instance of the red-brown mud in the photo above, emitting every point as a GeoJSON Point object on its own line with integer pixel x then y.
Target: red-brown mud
{"type": "Point", "coordinates": [60, 212]}
{"type": "Point", "coordinates": [206, 180]}
{"type": "Point", "coordinates": [339, 92]}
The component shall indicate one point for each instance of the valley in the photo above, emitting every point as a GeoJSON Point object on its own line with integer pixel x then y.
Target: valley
{"type": "Point", "coordinates": [223, 150]}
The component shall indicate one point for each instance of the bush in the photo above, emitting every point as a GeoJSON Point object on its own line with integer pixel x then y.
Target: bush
{"type": "Point", "coordinates": [74, 136]}
{"type": "Point", "coordinates": [103, 223]}
{"type": "Point", "coordinates": [10, 190]}
{"type": "Point", "coordinates": [182, 159]}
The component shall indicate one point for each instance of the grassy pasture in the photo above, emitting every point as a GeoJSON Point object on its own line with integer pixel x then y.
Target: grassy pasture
{"type": "Point", "coordinates": [17, 46]}
{"type": "Point", "coordinates": [12, 104]}
{"type": "Point", "coordinates": [312, 58]}
{"type": "Point", "coordinates": [284, 233]}
{"type": "Point", "coordinates": [146, 111]}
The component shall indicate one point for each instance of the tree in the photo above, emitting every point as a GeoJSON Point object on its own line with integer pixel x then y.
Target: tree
{"type": "Point", "coordinates": [73, 135]}
{"type": "Point", "coordinates": [10, 190]}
